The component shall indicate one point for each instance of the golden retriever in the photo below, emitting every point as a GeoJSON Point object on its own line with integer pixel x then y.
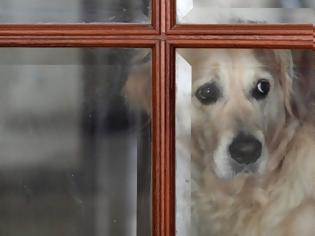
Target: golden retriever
{"type": "Point", "coordinates": [252, 156]}
{"type": "Point", "coordinates": [253, 160]}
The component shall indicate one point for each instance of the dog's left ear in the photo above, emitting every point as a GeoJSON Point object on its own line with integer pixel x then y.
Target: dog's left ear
{"type": "Point", "coordinates": [137, 89]}
{"type": "Point", "coordinates": [285, 65]}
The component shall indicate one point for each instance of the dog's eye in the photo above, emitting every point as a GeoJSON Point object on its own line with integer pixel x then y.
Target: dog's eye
{"type": "Point", "coordinates": [261, 89]}
{"type": "Point", "coordinates": [208, 93]}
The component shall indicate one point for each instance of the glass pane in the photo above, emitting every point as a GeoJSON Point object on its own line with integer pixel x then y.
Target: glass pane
{"type": "Point", "coordinates": [75, 152]}
{"type": "Point", "coordinates": [245, 11]}
{"type": "Point", "coordinates": [75, 11]}
{"type": "Point", "coordinates": [245, 142]}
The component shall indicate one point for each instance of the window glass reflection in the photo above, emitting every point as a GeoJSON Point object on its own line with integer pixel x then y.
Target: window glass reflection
{"type": "Point", "coordinates": [75, 153]}
{"type": "Point", "coordinates": [244, 11]}
{"type": "Point", "coordinates": [75, 11]}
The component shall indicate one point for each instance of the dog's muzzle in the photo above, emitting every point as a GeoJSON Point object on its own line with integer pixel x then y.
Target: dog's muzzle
{"type": "Point", "coordinates": [245, 149]}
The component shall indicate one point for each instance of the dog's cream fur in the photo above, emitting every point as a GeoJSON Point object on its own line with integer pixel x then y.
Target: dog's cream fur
{"type": "Point", "coordinates": [278, 200]}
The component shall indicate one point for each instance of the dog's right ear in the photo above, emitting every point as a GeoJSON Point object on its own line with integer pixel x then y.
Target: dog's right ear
{"type": "Point", "coordinates": [294, 104]}
{"type": "Point", "coordinates": [137, 89]}
{"type": "Point", "coordinates": [284, 63]}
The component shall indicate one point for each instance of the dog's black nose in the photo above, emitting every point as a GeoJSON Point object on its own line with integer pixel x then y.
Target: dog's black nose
{"type": "Point", "coordinates": [245, 149]}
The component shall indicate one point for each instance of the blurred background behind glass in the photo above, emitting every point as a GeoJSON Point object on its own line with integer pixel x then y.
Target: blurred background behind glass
{"type": "Point", "coordinates": [72, 147]}
{"type": "Point", "coordinates": [75, 158]}
{"type": "Point", "coordinates": [245, 11]}
{"type": "Point", "coordinates": [75, 11]}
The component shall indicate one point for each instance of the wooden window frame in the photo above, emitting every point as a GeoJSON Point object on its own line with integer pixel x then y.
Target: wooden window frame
{"type": "Point", "coordinates": [163, 36]}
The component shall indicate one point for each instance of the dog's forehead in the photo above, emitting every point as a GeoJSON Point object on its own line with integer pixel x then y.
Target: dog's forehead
{"type": "Point", "coordinates": [215, 62]}
{"type": "Point", "coordinates": [267, 58]}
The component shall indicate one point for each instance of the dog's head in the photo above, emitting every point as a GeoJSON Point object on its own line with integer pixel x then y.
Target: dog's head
{"type": "Point", "coordinates": [240, 102]}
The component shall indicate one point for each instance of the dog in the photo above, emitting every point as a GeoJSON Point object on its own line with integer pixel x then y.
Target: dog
{"type": "Point", "coordinates": [245, 149]}
{"type": "Point", "coordinates": [252, 153]}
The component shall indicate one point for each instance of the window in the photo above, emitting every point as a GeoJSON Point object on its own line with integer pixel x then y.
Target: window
{"type": "Point", "coordinates": [62, 121]}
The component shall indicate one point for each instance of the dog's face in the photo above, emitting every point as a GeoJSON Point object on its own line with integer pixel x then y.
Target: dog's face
{"type": "Point", "coordinates": [239, 100]}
